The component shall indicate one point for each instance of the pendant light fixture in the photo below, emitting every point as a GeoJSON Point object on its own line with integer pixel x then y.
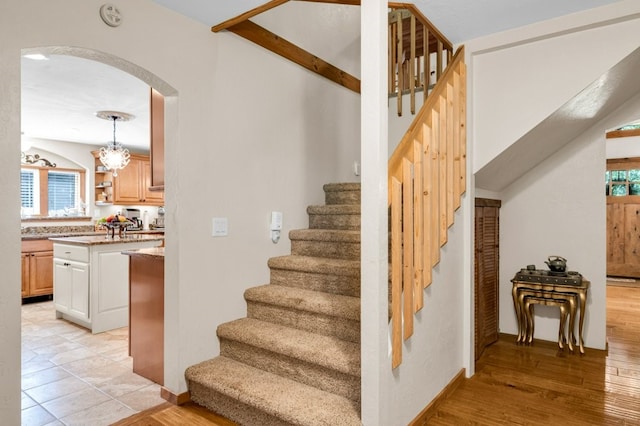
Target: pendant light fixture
{"type": "Point", "coordinates": [114, 156]}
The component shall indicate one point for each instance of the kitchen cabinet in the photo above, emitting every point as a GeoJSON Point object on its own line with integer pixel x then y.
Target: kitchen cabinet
{"type": "Point", "coordinates": [37, 268]}
{"type": "Point", "coordinates": [157, 140]}
{"type": "Point", "coordinates": [91, 279]}
{"type": "Point", "coordinates": [146, 307]}
{"type": "Point", "coordinates": [131, 186]}
{"type": "Point", "coordinates": [71, 288]}
{"type": "Point", "coordinates": [103, 183]}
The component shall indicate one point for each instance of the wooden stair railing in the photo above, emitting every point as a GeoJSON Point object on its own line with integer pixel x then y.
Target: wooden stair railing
{"type": "Point", "coordinates": [427, 177]}
{"type": "Point", "coordinates": [413, 40]}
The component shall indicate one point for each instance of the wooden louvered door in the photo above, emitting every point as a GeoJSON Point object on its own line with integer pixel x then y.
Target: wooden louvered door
{"type": "Point", "coordinates": [487, 250]}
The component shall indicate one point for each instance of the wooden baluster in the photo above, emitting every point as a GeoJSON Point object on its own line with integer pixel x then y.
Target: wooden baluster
{"type": "Point", "coordinates": [400, 67]}
{"type": "Point", "coordinates": [412, 61]}
{"type": "Point", "coordinates": [418, 224]}
{"type": "Point", "coordinates": [407, 246]}
{"type": "Point", "coordinates": [463, 127]}
{"type": "Point", "coordinates": [451, 184]}
{"type": "Point", "coordinates": [435, 187]}
{"type": "Point", "coordinates": [396, 272]}
{"type": "Point", "coordinates": [427, 204]}
{"type": "Point", "coordinates": [439, 67]}
{"type": "Point", "coordinates": [427, 60]}
{"type": "Point", "coordinates": [456, 139]}
{"type": "Point", "coordinates": [442, 178]}
{"type": "Point", "coordinates": [392, 56]}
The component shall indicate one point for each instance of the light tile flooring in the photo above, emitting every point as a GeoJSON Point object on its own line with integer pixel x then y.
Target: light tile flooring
{"type": "Point", "coordinates": [73, 377]}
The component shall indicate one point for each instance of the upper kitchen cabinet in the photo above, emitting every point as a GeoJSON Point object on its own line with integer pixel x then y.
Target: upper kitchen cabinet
{"type": "Point", "coordinates": [157, 141]}
{"type": "Point", "coordinates": [130, 186]}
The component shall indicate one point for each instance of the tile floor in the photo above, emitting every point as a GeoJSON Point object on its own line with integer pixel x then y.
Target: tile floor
{"type": "Point", "coordinates": [72, 377]}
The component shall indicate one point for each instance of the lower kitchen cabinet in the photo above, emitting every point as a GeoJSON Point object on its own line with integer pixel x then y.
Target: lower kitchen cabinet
{"type": "Point", "coordinates": [37, 268]}
{"type": "Point", "coordinates": [91, 282]}
{"type": "Point", "coordinates": [71, 288]}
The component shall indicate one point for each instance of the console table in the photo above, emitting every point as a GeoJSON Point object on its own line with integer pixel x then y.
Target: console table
{"type": "Point", "coordinates": [569, 293]}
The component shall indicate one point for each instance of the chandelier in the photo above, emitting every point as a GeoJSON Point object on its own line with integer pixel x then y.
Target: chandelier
{"type": "Point", "coordinates": [114, 156]}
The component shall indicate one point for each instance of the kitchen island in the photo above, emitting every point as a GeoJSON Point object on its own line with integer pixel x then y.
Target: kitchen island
{"type": "Point", "coordinates": [91, 278]}
{"type": "Point", "coordinates": [146, 306]}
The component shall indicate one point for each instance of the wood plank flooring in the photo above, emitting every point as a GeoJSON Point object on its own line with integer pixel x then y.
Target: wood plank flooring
{"type": "Point", "coordinates": [520, 385]}
{"type": "Point", "coordinates": [540, 385]}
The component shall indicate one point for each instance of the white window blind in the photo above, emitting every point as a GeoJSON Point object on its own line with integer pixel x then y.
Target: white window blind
{"type": "Point", "coordinates": [64, 191]}
{"type": "Point", "coordinates": [29, 192]}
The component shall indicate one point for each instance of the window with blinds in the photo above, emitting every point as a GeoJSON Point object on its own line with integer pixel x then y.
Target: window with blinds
{"type": "Point", "coordinates": [46, 192]}
{"type": "Point", "coordinates": [64, 192]}
{"type": "Point", "coordinates": [29, 192]}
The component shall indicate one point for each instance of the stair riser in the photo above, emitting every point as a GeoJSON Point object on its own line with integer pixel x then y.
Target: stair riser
{"type": "Point", "coordinates": [349, 222]}
{"type": "Point", "coordinates": [341, 328]}
{"type": "Point", "coordinates": [330, 249]}
{"type": "Point", "coordinates": [335, 284]}
{"type": "Point", "coordinates": [230, 408]}
{"type": "Point", "coordinates": [309, 374]}
{"type": "Point", "coordinates": [342, 197]}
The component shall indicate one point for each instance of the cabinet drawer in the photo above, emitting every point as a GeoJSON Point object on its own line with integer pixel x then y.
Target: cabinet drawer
{"type": "Point", "coordinates": [69, 252]}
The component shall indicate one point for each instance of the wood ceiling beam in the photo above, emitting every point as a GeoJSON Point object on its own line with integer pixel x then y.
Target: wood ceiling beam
{"type": "Point", "coordinates": [276, 44]}
{"type": "Point", "coordinates": [623, 133]}
{"type": "Point", "coordinates": [247, 15]}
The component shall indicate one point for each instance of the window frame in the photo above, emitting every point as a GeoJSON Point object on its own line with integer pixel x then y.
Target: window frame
{"type": "Point", "coordinates": [43, 178]}
{"type": "Point", "coordinates": [623, 164]}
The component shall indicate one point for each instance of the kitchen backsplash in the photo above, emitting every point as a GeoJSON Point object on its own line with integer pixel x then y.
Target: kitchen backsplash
{"type": "Point", "coordinates": [33, 230]}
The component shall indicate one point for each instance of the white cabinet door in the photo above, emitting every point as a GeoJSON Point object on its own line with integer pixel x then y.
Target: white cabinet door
{"type": "Point", "coordinates": [61, 285]}
{"type": "Point", "coordinates": [79, 303]}
{"type": "Point", "coordinates": [71, 288]}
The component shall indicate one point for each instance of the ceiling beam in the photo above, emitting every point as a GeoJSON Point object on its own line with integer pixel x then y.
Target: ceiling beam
{"type": "Point", "coordinates": [247, 15]}
{"type": "Point", "coordinates": [623, 133]}
{"type": "Point", "coordinates": [270, 41]}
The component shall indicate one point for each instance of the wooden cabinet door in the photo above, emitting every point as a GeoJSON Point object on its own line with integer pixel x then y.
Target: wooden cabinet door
{"type": "Point", "coordinates": [623, 240]}
{"type": "Point", "coordinates": [126, 186]}
{"type": "Point", "coordinates": [150, 197]}
{"type": "Point", "coordinates": [486, 273]}
{"type": "Point", "coordinates": [41, 273]}
{"type": "Point", "coordinates": [25, 273]}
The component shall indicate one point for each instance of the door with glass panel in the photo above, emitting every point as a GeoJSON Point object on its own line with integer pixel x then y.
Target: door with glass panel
{"type": "Point", "coordinates": [622, 180]}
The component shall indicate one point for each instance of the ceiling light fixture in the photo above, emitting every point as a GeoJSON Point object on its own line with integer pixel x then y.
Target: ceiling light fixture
{"type": "Point", "coordinates": [114, 156]}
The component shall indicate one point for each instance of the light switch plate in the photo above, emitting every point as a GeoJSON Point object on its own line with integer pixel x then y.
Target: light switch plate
{"type": "Point", "coordinates": [220, 227]}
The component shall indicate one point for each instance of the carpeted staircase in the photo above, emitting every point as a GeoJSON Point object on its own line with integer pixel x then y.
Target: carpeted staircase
{"type": "Point", "coordinates": [295, 358]}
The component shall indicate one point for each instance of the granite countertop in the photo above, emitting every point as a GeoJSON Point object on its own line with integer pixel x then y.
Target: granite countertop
{"type": "Point", "coordinates": [48, 235]}
{"type": "Point", "coordinates": [153, 252]}
{"type": "Point", "coordinates": [101, 238]}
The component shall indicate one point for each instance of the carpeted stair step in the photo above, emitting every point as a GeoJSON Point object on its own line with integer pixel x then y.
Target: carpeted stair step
{"type": "Point", "coordinates": [334, 216]}
{"type": "Point", "coordinates": [250, 396]}
{"type": "Point", "coordinates": [329, 243]}
{"type": "Point", "coordinates": [314, 311]}
{"type": "Point", "coordinates": [342, 193]}
{"type": "Point", "coordinates": [337, 276]}
{"type": "Point", "coordinates": [325, 362]}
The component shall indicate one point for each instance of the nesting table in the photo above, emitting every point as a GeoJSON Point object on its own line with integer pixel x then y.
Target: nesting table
{"type": "Point", "coordinates": [568, 293]}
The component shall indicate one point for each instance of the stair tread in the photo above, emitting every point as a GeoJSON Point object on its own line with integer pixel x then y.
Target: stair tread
{"type": "Point", "coordinates": [324, 265]}
{"type": "Point", "coordinates": [334, 209]}
{"type": "Point", "coordinates": [336, 305]}
{"type": "Point", "coordinates": [327, 351]}
{"type": "Point", "coordinates": [334, 235]}
{"type": "Point", "coordinates": [341, 186]}
{"type": "Point", "coordinates": [283, 398]}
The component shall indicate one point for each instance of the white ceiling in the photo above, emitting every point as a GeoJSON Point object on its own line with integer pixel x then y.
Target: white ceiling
{"type": "Point", "coordinates": [61, 95]}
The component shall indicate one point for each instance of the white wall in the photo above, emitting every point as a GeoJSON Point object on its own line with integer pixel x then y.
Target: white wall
{"type": "Point", "coordinates": [247, 133]}
{"type": "Point", "coordinates": [519, 77]}
{"type": "Point", "coordinates": [627, 147]}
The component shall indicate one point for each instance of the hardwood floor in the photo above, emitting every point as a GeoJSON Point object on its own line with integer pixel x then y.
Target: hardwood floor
{"type": "Point", "coordinates": [539, 385]}
{"type": "Point", "coordinates": [521, 385]}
